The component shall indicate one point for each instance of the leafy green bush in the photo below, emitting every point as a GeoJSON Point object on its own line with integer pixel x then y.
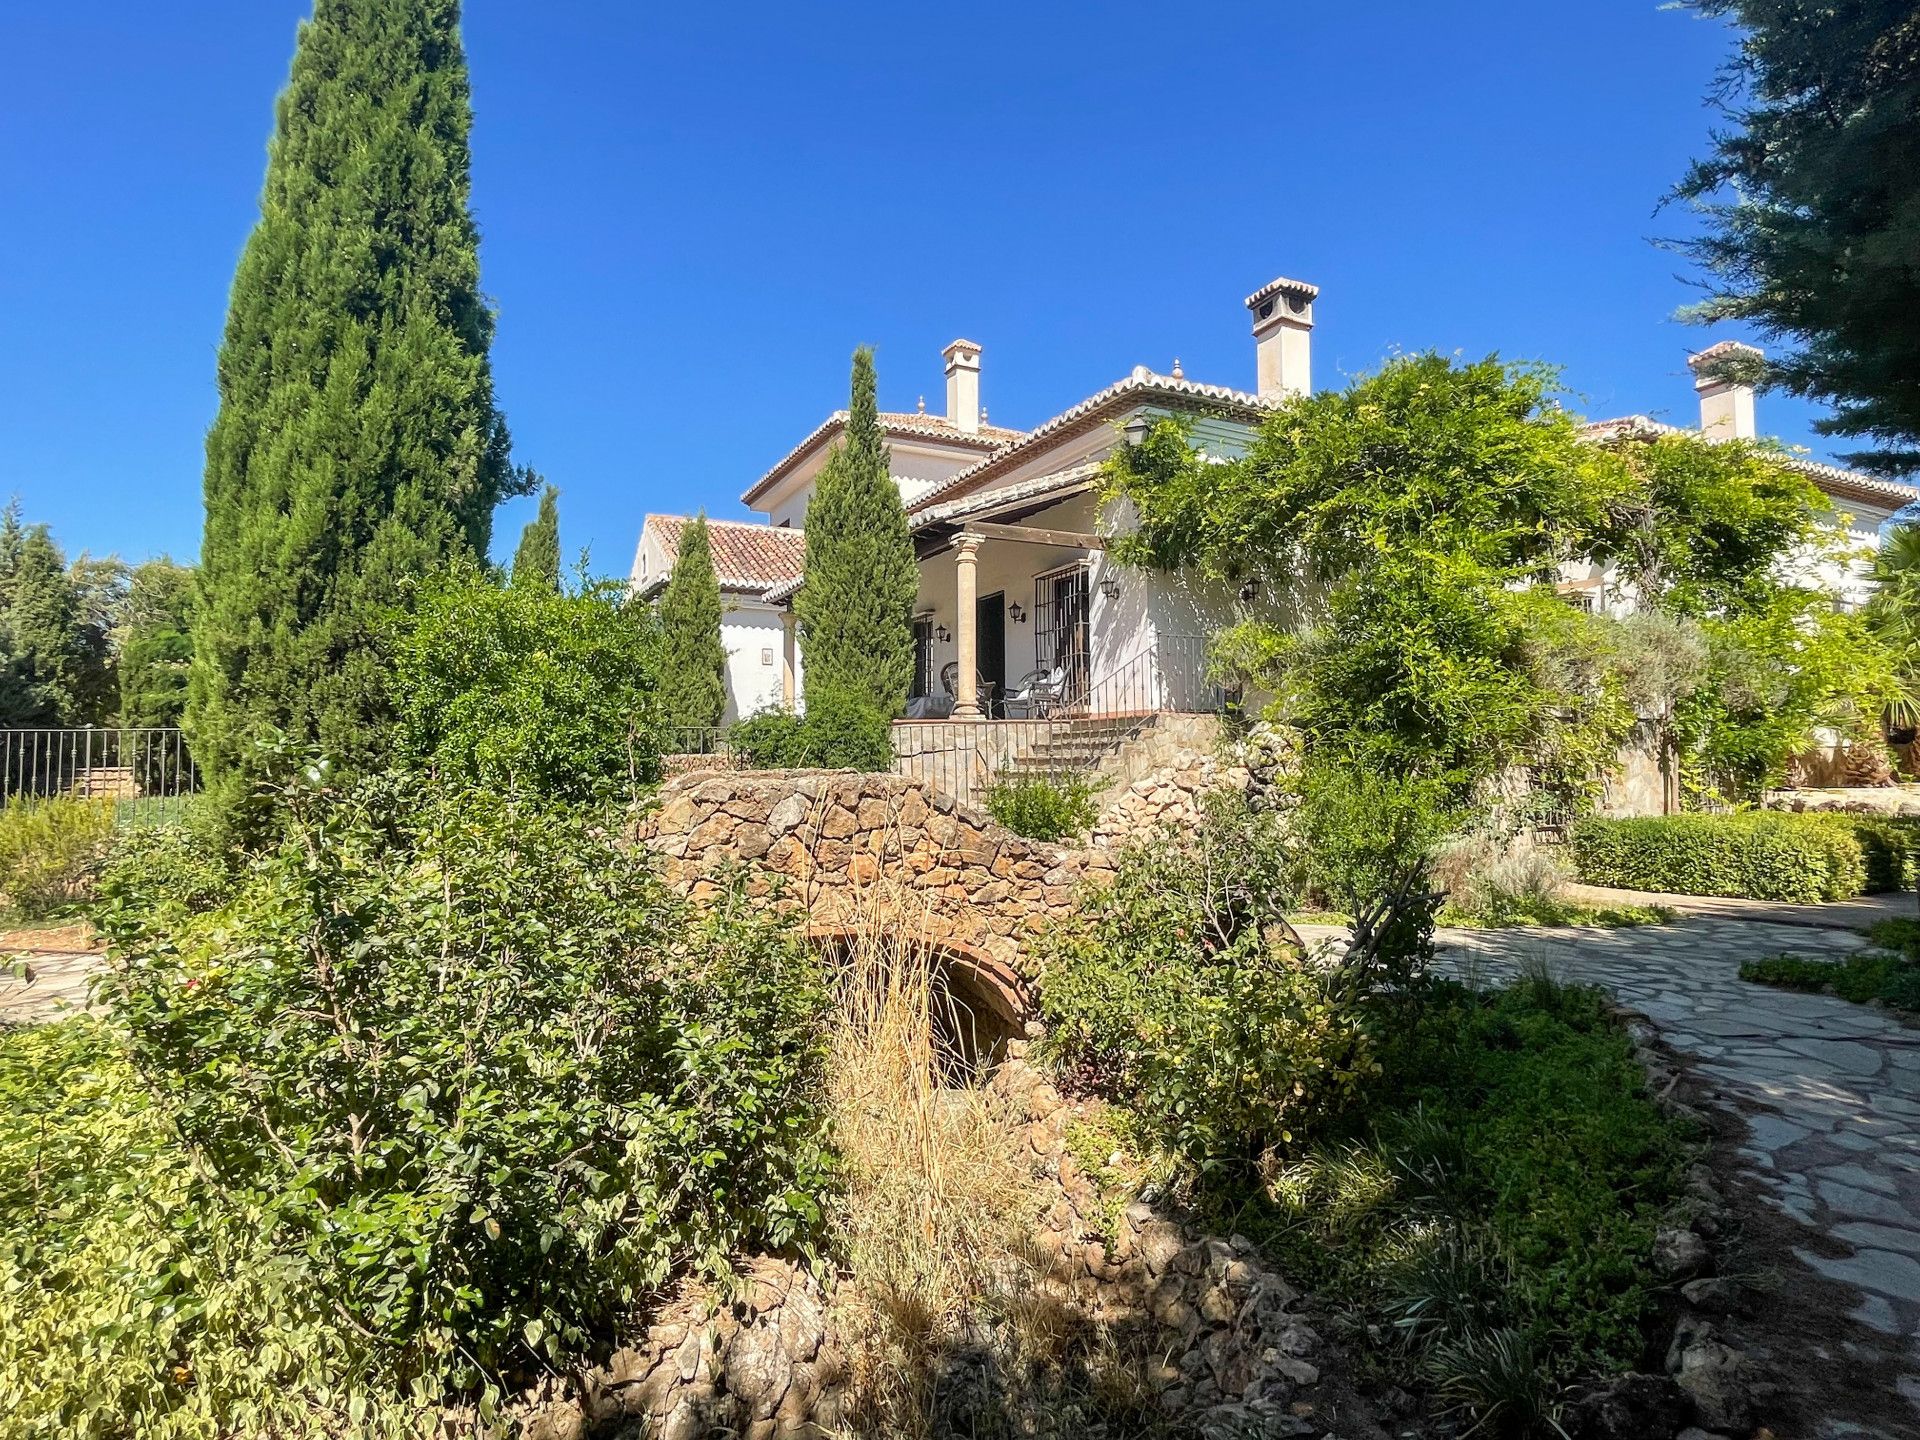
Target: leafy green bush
{"type": "Point", "coordinates": [1170, 994]}
{"type": "Point", "coordinates": [844, 730]}
{"type": "Point", "coordinates": [1889, 846]}
{"type": "Point", "coordinates": [1893, 979]}
{"type": "Point", "coordinates": [769, 740]}
{"type": "Point", "coordinates": [135, 1300]}
{"type": "Point", "coordinates": [486, 1079]}
{"type": "Point", "coordinates": [1506, 1175]}
{"type": "Point", "coordinates": [839, 732]}
{"type": "Point", "coordinates": [50, 852]}
{"type": "Point", "coordinates": [1042, 807]}
{"type": "Point", "coordinates": [1755, 855]}
{"type": "Point", "coordinates": [530, 690]}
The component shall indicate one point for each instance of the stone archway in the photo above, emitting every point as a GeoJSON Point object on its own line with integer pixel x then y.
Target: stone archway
{"type": "Point", "coordinates": [855, 851]}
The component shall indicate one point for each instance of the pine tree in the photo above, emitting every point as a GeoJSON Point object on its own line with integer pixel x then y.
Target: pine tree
{"type": "Point", "coordinates": [157, 652]}
{"type": "Point", "coordinates": [537, 561]}
{"type": "Point", "coordinates": [357, 447]}
{"type": "Point", "coordinates": [1812, 202]}
{"type": "Point", "coordinates": [46, 662]}
{"type": "Point", "coordinates": [856, 608]}
{"type": "Point", "coordinates": [693, 663]}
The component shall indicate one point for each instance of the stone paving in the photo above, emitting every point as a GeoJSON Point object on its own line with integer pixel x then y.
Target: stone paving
{"type": "Point", "coordinates": [1831, 1090]}
{"type": "Point", "coordinates": [39, 987]}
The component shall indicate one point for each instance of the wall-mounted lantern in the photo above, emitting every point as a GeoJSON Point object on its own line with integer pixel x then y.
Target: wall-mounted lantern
{"type": "Point", "coordinates": [1110, 585]}
{"type": "Point", "coordinates": [942, 634]}
{"type": "Point", "coordinates": [1136, 430]}
{"type": "Point", "coordinates": [1019, 615]}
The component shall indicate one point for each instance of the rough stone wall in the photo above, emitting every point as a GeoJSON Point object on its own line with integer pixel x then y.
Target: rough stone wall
{"type": "Point", "coordinates": [1857, 800]}
{"type": "Point", "coordinates": [822, 841]}
{"type": "Point", "coordinates": [1221, 1340]}
{"type": "Point", "coordinates": [1192, 763]}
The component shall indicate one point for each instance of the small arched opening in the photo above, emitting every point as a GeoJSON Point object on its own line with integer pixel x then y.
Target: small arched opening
{"type": "Point", "coordinates": [975, 1006]}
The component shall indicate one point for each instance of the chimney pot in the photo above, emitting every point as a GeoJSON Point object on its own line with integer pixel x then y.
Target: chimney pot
{"type": "Point", "coordinates": [1726, 402]}
{"type": "Point", "coordinates": [963, 385]}
{"type": "Point", "coordinates": [1282, 330]}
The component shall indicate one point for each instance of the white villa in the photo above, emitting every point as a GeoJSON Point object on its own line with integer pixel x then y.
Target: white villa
{"type": "Point", "coordinates": [1020, 614]}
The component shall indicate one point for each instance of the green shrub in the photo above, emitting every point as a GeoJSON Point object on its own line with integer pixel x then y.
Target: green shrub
{"type": "Point", "coordinates": [769, 740]}
{"type": "Point", "coordinates": [846, 731]}
{"type": "Point", "coordinates": [1892, 979]}
{"type": "Point", "coordinates": [1168, 993]}
{"type": "Point", "coordinates": [1042, 807]}
{"type": "Point", "coordinates": [1889, 846]}
{"type": "Point", "coordinates": [1755, 855]}
{"type": "Point", "coordinates": [1506, 1174]}
{"type": "Point", "coordinates": [530, 690]}
{"type": "Point", "coordinates": [490, 1082]}
{"type": "Point", "coordinates": [839, 732]}
{"type": "Point", "coordinates": [136, 1300]}
{"type": "Point", "coordinates": [50, 852]}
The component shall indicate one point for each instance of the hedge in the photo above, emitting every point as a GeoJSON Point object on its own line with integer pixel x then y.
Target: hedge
{"type": "Point", "coordinates": [1756, 855]}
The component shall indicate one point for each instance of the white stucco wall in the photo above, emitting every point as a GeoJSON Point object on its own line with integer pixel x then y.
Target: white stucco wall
{"type": "Point", "coordinates": [752, 635]}
{"type": "Point", "coordinates": [915, 468]}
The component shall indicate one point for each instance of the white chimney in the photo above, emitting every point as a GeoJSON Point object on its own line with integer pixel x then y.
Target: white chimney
{"type": "Point", "coordinates": [1282, 334]}
{"type": "Point", "coordinates": [1726, 403]}
{"type": "Point", "coordinates": [963, 385]}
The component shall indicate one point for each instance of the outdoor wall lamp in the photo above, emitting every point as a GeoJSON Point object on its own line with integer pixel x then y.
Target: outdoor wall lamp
{"type": "Point", "coordinates": [1136, 431]}
{"type": "Point", "coordinates": [1019, 615]}
{"type": "Point", "coordinates": [942, 634]}
{"type": "Point", "coordinates": [1110, 586]}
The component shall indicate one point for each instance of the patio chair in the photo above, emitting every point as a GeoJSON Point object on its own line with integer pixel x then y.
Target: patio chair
{"type": "Point", "coordinates": [1038, 694]}
{"type": "Point", "coordinates": [982, 687]}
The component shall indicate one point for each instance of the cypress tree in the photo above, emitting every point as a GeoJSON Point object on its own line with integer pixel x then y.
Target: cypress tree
{"type": "Point", "coordinates": [357, 446]}
{"type": "Point", "coordinates": [537, 562]}
{"type": "Point", "coordinates": [856, 608]}
{"type": "Point", "coordinates": [693, 663]}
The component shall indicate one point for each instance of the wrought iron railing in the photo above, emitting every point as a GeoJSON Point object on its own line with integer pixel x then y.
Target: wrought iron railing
{"type": "Point", "coordinates": [1056, 738]}
{"type": "Point", "coordinates": [122, 764]}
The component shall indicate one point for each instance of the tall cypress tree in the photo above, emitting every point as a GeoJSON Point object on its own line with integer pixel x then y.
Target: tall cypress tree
{"type": "Point", "coordinates": [357, 445]}
{"type": "Point", "coordinates": [693, 662]}
{"type": "Point", "coordinates": [536, 563]}
{"type": "Point", "coordinates": [856, 608]}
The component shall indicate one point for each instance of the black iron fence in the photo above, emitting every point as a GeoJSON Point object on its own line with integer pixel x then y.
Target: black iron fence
{"type": "Point", "coordinates": [97, 763]}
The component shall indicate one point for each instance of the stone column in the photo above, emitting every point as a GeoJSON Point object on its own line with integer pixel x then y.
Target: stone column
{"type": "Point", "coordinates": [966, 692]}
{"type": "Point", "coordinates": [789, 655]}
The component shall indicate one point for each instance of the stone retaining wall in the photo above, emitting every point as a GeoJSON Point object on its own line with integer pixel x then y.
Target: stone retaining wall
{"type": "Point", "coordinates": [848, 848]}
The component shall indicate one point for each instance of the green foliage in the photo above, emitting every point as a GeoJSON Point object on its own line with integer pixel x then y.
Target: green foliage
{"type": "Point", "coordinates": [1406, 535]}
{"type": "Point", "coordinates": [527, 690]}
{"type": "Point", "coordinates": [856, 608]}
{"type": "Point", "coordinates": [844, 730]}
{"type": "Point", "coordinates": [55, 629]}
{"type": "Point", "coordinates": [770, 740]}
{"type": "Point", "coordinates": [839, 732]}
{"type": "Point", "coordinates": [135, 1304]}
{"type": "Point", "coordinates": [334, 483]}
{"type": "Point", "coordinates": [1812, 200]}
{"type": "Point", "coordinates": [157, 653]}
{"type": "Point", "coordinates": [1755, 855]}
{"type": "Point", "coordinates": [536, 561]}
{"type": "Point", "coordinates": [1892, 979]}
{"type": "Point", "coordinates": [693, 662]}
{"type": "Point", "coordinates": [1506, 1175]}
{"type": "Point", "coordinates": [1042, 807]}
{"type": "Point", "coordinates": [1491, 884]}
{"type": "Point", "coordinates": [50, 852]}
{"type": "Point", "coordinates": [1174, 994]}
{"type": "Point", "coordinates": [482, 1079]}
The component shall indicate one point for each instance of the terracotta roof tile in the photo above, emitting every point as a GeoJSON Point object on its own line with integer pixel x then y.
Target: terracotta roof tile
{"type": "Point", "coordinates": [746, 556]}
{"type": "Point", "coordinates": [906, 424]}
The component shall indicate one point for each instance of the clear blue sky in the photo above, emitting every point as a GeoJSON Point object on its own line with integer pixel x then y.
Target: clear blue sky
{"type": "Point", "coordinates": [691, 214]}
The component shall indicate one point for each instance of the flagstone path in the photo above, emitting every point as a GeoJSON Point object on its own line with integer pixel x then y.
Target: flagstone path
{"type": "Point", "coordinates": [1830, 1090]}
{"type": "Point", "coordinates": [44, 986]}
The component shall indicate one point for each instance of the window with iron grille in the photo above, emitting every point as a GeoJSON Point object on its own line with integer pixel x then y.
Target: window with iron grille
{"type": "Point", "coordinates": [922, 656]}
{"type": "Point", "coordinates": [1060, 641]}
